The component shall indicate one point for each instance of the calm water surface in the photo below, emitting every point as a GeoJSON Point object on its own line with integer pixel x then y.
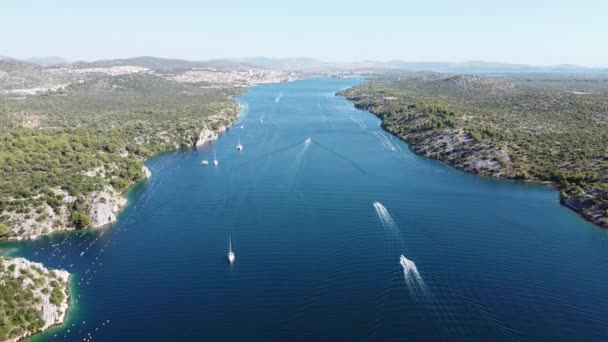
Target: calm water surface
{"type": "Point", "coordinates": [316, 257]}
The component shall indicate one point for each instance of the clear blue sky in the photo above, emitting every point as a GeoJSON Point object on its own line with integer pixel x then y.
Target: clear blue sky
{"type": "Point", "coordinates": [534, 32]}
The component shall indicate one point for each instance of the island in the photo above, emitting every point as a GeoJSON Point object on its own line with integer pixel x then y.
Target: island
{"type": "Point", "coordinates": [539, 127]}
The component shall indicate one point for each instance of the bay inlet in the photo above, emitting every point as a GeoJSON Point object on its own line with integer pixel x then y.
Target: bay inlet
{"type": "Point", "coordinates": [349, 237]}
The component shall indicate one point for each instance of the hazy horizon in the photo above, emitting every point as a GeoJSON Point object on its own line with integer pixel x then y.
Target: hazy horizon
{"type": "Point", "coordinates": [542, 33]}
{"type": "Point", "coordinates": [28, 58]}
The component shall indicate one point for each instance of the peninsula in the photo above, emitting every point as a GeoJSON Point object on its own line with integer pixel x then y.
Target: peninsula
{"type": "Point", "coordinates": [33, 298]}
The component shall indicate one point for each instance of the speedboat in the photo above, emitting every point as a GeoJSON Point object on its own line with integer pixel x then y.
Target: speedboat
{"type": "Point", "coordinates": [308, 141]}
{"type": "Point", "coordinates": [205, 162]}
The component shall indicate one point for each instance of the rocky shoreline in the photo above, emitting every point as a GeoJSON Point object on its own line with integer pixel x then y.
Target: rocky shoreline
{"type": "Point", "coordinates": [39, 293]}
{"type": "Point", "coordinates": [102, 206]}
{"type": "Point", "coordinates": [51, 287]}
{"type": "Point", "coordinates": [480, 159]}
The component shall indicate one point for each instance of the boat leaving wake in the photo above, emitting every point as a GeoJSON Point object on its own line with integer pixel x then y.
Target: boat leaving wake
{"type": "Point", "coordinates": [278, 98]}
{"type": "Point", "coordinates": [419, 291]}
{"type": "Point", "coordinates": [385, 218]}
{"type": "Point", "coordinates": [413, 280]}
{"type": "Point", "coordinates": [412, 276]}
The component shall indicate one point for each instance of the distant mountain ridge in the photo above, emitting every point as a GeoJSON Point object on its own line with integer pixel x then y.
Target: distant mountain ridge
{"type": "Point", "coordinates": [156, 63]}
{"type": "Point", "coordinates": [471, 67]}
{"type": "Point", "coordinates": [48, 60]}
{"type": "Point", "coordinates": [300, 64]}
{"type": "Point", "coordinates": [8, 64]}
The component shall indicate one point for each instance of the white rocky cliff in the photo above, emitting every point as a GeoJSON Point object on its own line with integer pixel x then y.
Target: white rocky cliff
{"type": "Point", "coordinates": [49, 289]}
{"type": "Point", "coordinates": [104, 205]}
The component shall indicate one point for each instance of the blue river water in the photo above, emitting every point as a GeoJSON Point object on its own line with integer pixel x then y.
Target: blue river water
{"type": "Point", "coordinates": [319, 230]}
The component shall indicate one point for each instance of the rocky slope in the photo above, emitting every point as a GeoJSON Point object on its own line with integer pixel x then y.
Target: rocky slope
{"type": "Point", "coordinates": [32, 298]}
{"type": "Point", "coordinates": [69, 155]}
{"type": "Point", "coordinates": [518, 128]}
{"type": "Point", "coordinates": [101, 206]}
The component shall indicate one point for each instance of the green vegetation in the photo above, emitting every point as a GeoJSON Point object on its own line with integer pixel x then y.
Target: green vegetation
{"type": "Point", "coordinates": [540, 128]}
{"type": "Point", "coordinates": [94, 134]}
{"type": "Point", "coordinates": [4, 230]}
{"type": "Point", "coordinates": [57, 295]}
{"type": "Point", "coordinates": [18, 312]}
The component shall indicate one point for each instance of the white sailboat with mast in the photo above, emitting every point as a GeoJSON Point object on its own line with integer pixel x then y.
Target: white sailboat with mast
{"type": "Point", "coordinates": [230, 252]}
{"type": "Point", "coordinates": [239, 147]}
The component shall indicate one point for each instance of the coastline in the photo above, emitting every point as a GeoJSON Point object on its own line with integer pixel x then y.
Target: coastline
{"type": "Point", "coordinates": [64, 320]}
{"type": "Point", "coordinates": [53, 305]}
{"type": "Point", "coordinates": [573, 205]}
{"type": "Point", "coordinates": [105, 205]}
{"type": "Point", "coordinates": [120, 201]}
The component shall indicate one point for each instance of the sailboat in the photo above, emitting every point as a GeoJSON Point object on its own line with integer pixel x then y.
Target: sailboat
{"type": "Point", "coordinates": [239, 147]}
{"type": "Point", "coordinates": [230, 252]}
{"type": "Point", "coordinates": [215, 162]}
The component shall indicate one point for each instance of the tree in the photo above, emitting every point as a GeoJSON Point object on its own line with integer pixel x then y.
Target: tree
{"type": "Point", "coordinates": [4, 230]}
{"type": "Point", "coordinates": [80, 219]}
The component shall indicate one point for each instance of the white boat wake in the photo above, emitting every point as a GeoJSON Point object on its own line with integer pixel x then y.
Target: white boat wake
{"type": "Point", "coordinates": [419, 290]}
{"type": "Point", "coordinates": [413, 280]}
{"type": "Point", "coordinates": [358, 122]}
{"type": "Point", "coordinates": [386, 143]}
{"type": "Point", "coordinates": [387, 221]}
{"type": "Point", "coordinates": [278, 98]}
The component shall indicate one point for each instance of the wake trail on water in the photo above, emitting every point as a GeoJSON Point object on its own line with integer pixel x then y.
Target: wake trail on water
{"type": "Point", "coordinates": [396, 239]}
{"type": "Point", "coordinates": [357, 121]}
{"type": "Point", "coordinates": [414, 282]}
{"type": "Point", "coordinates": [413, 279]}
{"type": "Point", "coordinates": [339, 155]}
{"type": "Point", "coordinates": [331, 131]}
{"type": "Point", "coordinates": [269, 154]}
{"type": "Point", "coordinates": [387, 221]}
{"type": "Point", "coordinates": [278, 98]}
{"type": "Point", "coordinates": [295, 167]}
{"type": "Point", "coordinates": [418, 289]}
{"type": "Point", "coordinates": [386, 143]}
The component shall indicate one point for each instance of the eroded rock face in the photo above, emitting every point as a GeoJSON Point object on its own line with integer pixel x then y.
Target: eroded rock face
{"type": "Point", "coordinates": [34, 223]}
{"type": "Point", "coordinates": [459, 150]}
{"type": "Point", "coordinates": [205, 136]}
{"type": "Point", "coordinates": [50, 290]}
{"type": "Point", "coordinates": [103, 206]}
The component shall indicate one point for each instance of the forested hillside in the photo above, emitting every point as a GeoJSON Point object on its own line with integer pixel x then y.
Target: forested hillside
{"type": "Point", "coordinates": [66, 152]}
{"type": "Point", "coordinates": [540, 128]}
